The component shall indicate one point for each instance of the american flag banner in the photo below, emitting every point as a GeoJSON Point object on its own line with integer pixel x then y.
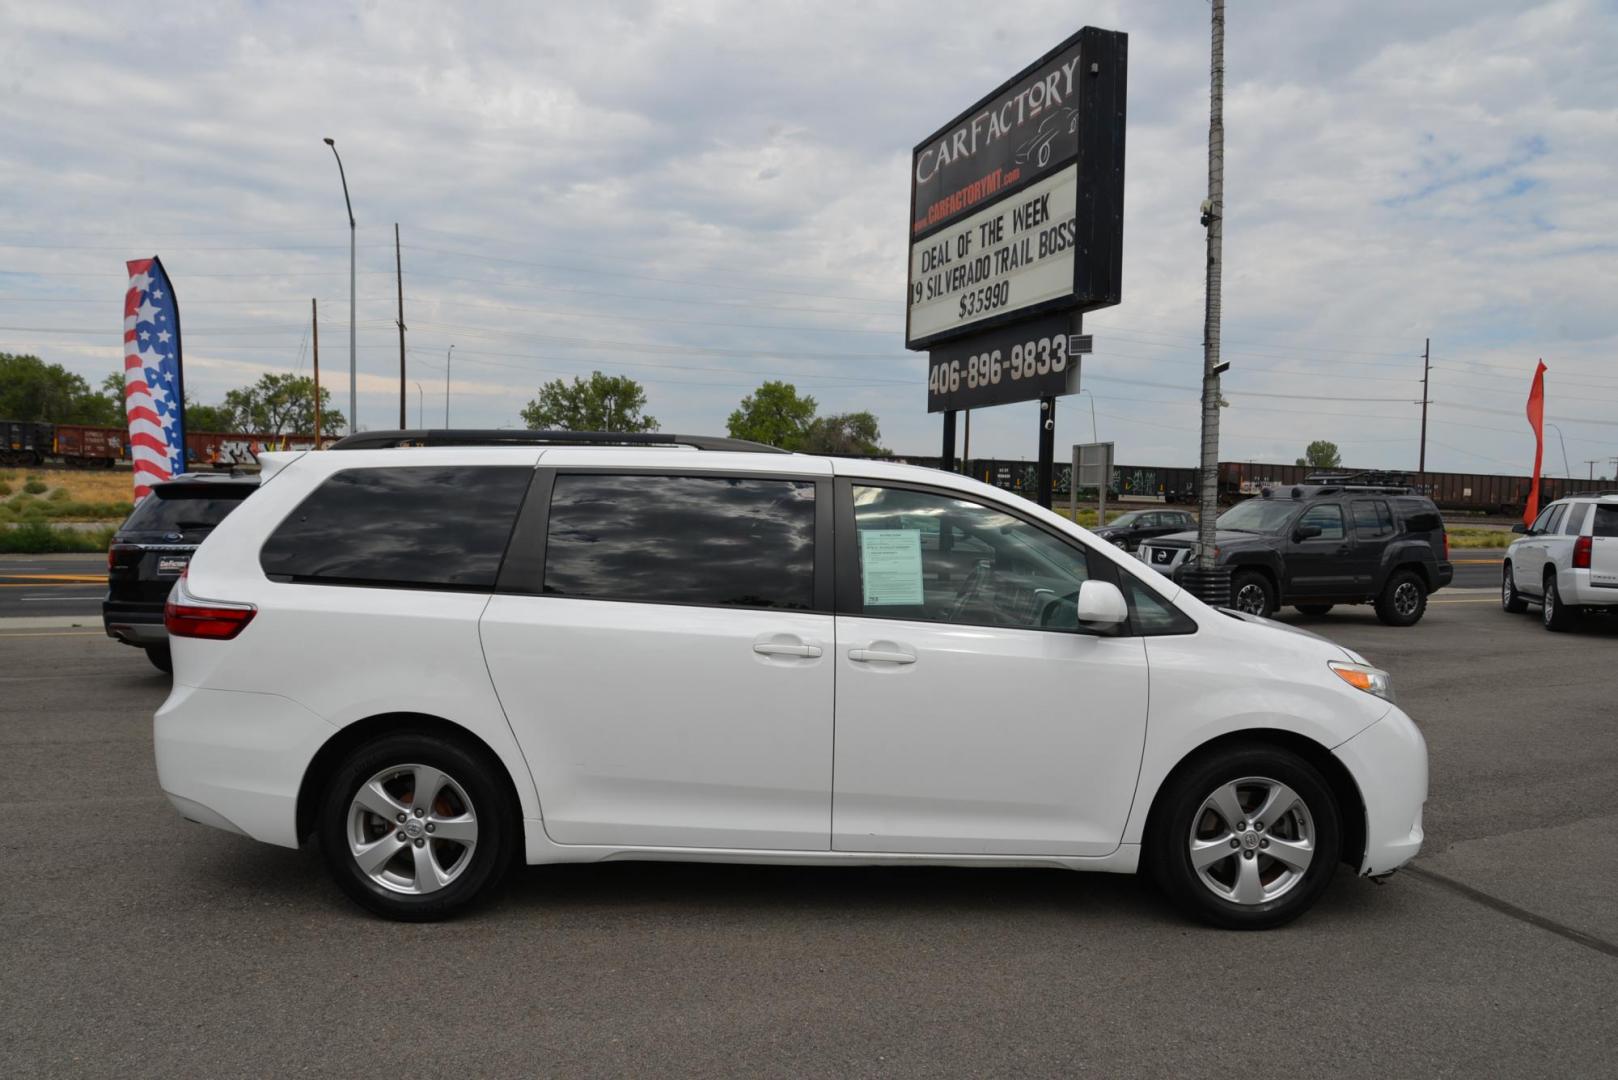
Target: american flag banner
{"type": "Point", "coordinates": [154, 385]}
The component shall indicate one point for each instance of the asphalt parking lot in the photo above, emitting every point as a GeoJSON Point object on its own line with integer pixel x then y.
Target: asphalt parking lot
{"type": "Point", "coordinates": [136, 944]}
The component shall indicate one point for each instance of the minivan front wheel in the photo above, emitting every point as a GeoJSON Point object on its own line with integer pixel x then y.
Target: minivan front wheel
{"type": "Point", "coordinates": [1246, 839]}
{"type": "Point", "coordinates": [414, 827]}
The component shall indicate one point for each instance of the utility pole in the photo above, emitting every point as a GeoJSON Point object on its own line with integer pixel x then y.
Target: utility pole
{"type": "Point", "coordinates": [398, 266]}
{"type": "Point", "coordinates": [966, 453]}
{"type": "Point", "coordinates": [1213, 218]}
{"type": "Point", "coordinates": [1592, 463]}
{"type": "Point", "coordinates": [1426, 367]}
{"type": "Point", "coordinates": [449, 354]}
{"type": "Point", "coordinates": [314, 325]}
{"type": "Point", "coordinates": [1614, 463]}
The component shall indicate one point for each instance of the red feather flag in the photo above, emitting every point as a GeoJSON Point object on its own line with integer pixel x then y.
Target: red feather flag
{"type": "Point", "coordinates": [1536, 420]}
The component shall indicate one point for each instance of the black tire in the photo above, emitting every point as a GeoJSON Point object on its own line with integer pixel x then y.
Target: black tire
{"type": "Point", "coordinates": [1179, 816]}
{"type": "Point", "coordinates": [1403, 600]}
{"type": "Point", "coordinates": [480, 785]}
{"type": "Point", "coordinates": [1556, 615]}
{"type": "Point", "coordinates": [1251, 591]}
{"type": "Point", "coordinates": [161, 658]}
{"type": "Point", "coordinates": [1315, 609]}
{"type": "Point", "coordinates": [1510, 599]}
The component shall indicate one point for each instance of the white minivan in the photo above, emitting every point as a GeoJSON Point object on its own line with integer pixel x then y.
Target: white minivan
{"type": "Point", "coordinates": [465, 648]}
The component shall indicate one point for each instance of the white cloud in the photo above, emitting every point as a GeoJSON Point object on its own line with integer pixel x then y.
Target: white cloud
{"type": "Point", "coordinates": [704, 195]}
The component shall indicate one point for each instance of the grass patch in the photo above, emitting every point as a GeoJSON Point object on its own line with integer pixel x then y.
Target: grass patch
{"type": "Point", "coordinates": [1475, 536]}
{"type": "Point", "coordinates": [74, 495]}
{"type": "Point", "coordinates": [37, 538]}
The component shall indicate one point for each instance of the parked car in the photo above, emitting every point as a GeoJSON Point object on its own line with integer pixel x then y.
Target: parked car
{"type": "Point", "coordinates": [1567, 561]}
{"type": "Point", "coordinates": [561, 649]}
{"type": "Point", "coordinates": [1130, 529]}
{"type": "Point", "coordinates": [1317, 546]}
{"type": "Point", "coordinates": [152, 548]}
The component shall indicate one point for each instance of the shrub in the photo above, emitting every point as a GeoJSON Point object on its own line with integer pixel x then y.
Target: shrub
{"type": "Point", "coordinates": [34, 486]}
{"type": "Point", "coordinates": [57, 494]}
{"type": "Point", "coordinates": [36, 537]}
{"type": "Point", "coordinates": [5, 489]}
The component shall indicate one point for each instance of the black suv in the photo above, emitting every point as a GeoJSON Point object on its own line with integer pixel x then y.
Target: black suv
{"type": "Point", "coordinates": [1129, 530]}
{"type": "Point", "coordinates": [1318, 545]}
{"type": "Point", "coordinates": [150, 551]}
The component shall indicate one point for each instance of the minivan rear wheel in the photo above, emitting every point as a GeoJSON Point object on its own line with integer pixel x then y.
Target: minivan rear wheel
{"type": "Point", "coordinates": [1247, 838]}
{"type": "Point", "coordinates": [415, 827]}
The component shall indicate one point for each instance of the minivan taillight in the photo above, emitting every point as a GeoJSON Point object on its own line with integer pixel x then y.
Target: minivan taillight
{"type": "Point", "coordinates": [1581, 553]}
{"type": "Point", "coordinates": [218, 622]}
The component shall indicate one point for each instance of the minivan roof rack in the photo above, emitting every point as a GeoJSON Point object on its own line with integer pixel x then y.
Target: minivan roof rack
{"type": "Point", "coordinates": [382, 440]}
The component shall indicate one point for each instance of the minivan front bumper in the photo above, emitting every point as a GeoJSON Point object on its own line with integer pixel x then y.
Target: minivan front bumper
{"type": "Point", "coordinates": [1388, 762]}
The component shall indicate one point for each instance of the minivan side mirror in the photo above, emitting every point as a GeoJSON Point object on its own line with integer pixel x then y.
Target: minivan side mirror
{"type": "Point", "coordinates": [1519, 528]}
{"type": "Point", "coordinates": [1306, 532]}
{"type": "Point", "coordinates": [1101, 605]}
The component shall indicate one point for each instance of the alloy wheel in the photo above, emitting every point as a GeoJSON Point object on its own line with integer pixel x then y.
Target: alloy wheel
{"type": "Point", "coordinates": [1252, 841]}
{"type": "Point", "coordinates": [1250, 599]}
{"type": "Point", "coordinates": [1406, 598]}
{"type": "Point", "coordinates": [412, 829]}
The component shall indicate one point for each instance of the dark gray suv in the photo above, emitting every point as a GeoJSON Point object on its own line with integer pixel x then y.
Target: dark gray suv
{"type": "Point", "coordinates": [1315, 546]}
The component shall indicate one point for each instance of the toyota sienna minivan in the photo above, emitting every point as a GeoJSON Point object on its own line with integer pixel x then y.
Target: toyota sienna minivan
{"type": "Point", "coordinates": [438, 653]}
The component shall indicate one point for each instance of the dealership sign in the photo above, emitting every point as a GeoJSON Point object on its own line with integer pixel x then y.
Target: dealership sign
{"type": "Point", "coordinates": [1016, 206]}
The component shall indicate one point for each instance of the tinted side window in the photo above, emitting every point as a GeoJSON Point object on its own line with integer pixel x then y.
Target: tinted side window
{"type": "Point", "coordinates": [1543, 522]}
{"type": "Point", "coordinates": [1606, 523]}
{"type": "Point", "coordinates": [1372, 519]}
{"type": "Point", "coordinates": [1329, 517]}
{"type": "Point", "coordinates": [682, 540]}
{"type": "Point", "coordinates": [1573, 523]}
{"type": "Point", "coordinates": [1421, 517]}
{"type": "Point", "coordinates": [1556, 517]}
{"type": "Point", "coordinates": [421, 526]}
{"type": "Point", "coordinates": [935, 558]}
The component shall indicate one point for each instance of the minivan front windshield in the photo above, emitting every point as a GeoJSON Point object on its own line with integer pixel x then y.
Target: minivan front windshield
{"type": "Point", "coordinates": [1257, 516]}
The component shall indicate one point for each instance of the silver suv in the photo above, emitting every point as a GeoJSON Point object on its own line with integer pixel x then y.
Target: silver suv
{"type": "Point", "coordinates": [1567, 561]}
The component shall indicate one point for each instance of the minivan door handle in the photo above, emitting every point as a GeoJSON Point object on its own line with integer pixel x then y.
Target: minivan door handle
{"type": "Point", "coordinates": [779, 648]}
{"type": "Point", "coordinates": [881, 656]}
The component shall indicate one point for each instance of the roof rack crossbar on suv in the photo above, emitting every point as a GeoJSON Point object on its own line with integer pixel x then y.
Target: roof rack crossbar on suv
{"type": "Point", "coordinates": [382, 440]}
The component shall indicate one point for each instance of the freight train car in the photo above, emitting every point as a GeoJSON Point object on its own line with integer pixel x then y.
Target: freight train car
{"type": "Point", "coordinates": [91, 446]}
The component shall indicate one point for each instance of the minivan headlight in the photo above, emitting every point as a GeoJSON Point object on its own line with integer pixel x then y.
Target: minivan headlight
{"type": "Point", "coordinates": [1364, 677]}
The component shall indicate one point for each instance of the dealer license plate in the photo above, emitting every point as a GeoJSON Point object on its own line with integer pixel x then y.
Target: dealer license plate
{"type": "Point", "coordinates": [172, 564]}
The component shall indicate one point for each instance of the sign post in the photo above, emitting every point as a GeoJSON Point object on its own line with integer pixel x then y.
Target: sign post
{"type": "Point", "coordinates": [1016, 229]}
{"type": "Point", "coordinates": [1092, 467]}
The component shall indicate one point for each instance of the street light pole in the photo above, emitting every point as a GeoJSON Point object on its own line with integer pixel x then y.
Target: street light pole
{"type": "Point", "coordinates": [1093, 436]}
{"type": "Point", "coordinates": [448, 354]}
{"type": "Point", "coordinates": [419, 400]}
{"type": "Point", "coordinates": [353, 368]}
{"type": "Point", "coordinates": [1565, 468]}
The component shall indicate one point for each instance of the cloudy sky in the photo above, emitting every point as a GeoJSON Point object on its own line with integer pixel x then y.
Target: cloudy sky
{"type": "Point", "coordinates": [706, 195]}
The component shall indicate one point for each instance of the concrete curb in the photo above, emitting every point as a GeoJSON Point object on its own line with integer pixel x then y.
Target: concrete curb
{"type": "Point", "coordinates": [50, 622]}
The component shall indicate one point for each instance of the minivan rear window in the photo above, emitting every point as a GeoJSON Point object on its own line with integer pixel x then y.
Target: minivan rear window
{"type": "Point", "coordinates": [434, 527]}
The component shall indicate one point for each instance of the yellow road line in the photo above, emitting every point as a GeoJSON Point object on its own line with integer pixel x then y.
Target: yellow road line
{"type": "Point", "coordinates": [52, 577]}
{"type": "Point", "coordinates": [48, 584]}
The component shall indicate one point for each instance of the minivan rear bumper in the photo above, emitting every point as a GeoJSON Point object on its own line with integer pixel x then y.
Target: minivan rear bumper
{"type": "Point", "coordinates": [236, 760]}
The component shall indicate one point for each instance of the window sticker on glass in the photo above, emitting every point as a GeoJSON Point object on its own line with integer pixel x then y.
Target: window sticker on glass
{"type": "Point", "coordinates": [890, 566]}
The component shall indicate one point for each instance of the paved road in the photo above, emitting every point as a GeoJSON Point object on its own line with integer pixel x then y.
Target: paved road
{"type": "Point", "coordinates": [134, 944]}
{"type": "Point", "coordinates": [35, 585]}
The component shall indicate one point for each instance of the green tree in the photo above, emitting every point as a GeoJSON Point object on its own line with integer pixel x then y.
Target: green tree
{"type": "Point", "coordinates": [603, 403]}
{"type": "Point", "coordinates": [774, 414]}
{"type": "Point", "coordinates": [219, 418]}
{"type": "Point", "coordinates": [1321, 454]}
{"type": "Point", "coordinates": [845, 433]}
{"type": "Point", "coordinates": [31, 389]}
{"type": "Point", "coordinates": [278, 404]}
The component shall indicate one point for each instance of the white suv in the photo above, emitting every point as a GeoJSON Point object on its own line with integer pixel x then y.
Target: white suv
{"type": "Point", "coordinates": [1567, 561]}
{"type": "Point", "coordinates": [442, 658]}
